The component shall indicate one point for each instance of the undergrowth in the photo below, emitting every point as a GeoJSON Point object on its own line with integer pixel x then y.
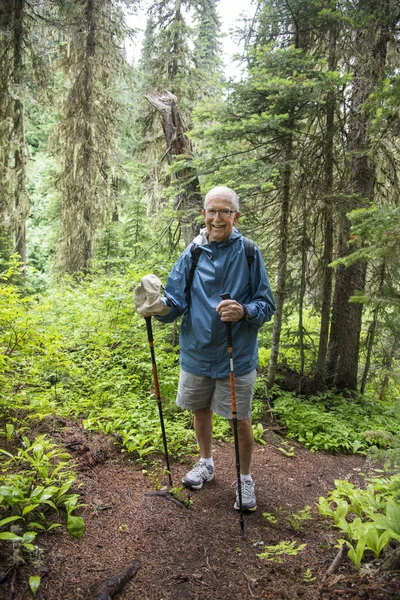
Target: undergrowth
{"type": "Point", "coordinates": [368, 519]}
{"type": "Point", "coordinates": [80, 351]}
{"type": "Point", "coordinates": [334, 423]}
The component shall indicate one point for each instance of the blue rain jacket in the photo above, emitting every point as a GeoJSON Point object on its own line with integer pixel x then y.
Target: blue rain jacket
{"type": "Point", "coordinates": [222, 268]}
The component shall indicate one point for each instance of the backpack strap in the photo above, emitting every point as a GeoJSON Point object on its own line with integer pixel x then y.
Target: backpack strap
{"type": "Point", "coordinates": [249, 250]}
{"type": "Point", "coordinates": [195, 253]}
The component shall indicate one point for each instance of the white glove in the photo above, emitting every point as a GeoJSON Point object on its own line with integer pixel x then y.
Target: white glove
{"type": "Point", "coordinates": [147, 297]}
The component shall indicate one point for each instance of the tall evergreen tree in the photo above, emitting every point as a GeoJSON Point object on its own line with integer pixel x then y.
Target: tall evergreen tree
{"type": "Point", "coordinates": [87, 132]}
{"type": "Point", "coordinates": [372, 26]}
{"type": "Point", "coordinates": [180, 58]}
{"type": "Point", "coordinates": [14, 202]}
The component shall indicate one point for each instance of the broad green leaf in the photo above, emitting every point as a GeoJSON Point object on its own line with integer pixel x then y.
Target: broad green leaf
{"type": "Point", "coordinates": [28, 509]}
{"type": "Point", "coordinates": [29, 536]}
{"type": "Point", "coordinates": [393, 515]}
{"type": "Point", "coordinates": [37, 525]}
{"type": "Point", "coordinates": [9, 520]}
{"type": "Point", "coordinates": [29, 546]}
{"type": "Point", "coordinates": [7, 535]}
{"type": "Point", "coordinates": [34, 582]}
{"type": "Point", "coordinates": [75, 526]}
{"type": "Point", "coordinates": [6, 453]}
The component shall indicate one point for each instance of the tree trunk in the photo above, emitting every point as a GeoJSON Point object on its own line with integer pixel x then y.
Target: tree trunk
{"type": "Point", "coordinates": [371, 335]}
{"type": "Point", "coordinates": [189, 199]}
{"type": "Point", "coordinates": [21, 200]}
{"type": "Point", "coordinates": [302, 290]}
{"type": "Point", "coordinates": [6, 19]}
{"type": "Point", "coordinates": [370, 44]}
{"type": "Point", "coordinates": [388, 366]}
{"type": "Point", "coordinates": [282, 260]}
{"type": "Point", "coordinates": [328, 221]}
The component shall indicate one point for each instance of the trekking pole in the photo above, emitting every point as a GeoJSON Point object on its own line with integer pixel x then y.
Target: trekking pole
{"type": "Point", "coordinates": [158, 395]}
{"type": "Point", "coordinates": [228, 325]}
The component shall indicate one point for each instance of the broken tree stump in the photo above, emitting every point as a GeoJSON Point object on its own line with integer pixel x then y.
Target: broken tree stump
{"type": "Point", "coordinates": [188, 198]}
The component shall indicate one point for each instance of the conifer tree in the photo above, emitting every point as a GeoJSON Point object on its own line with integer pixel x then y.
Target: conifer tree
{"type": "Point", "coordinates": [87, 133]}
{"type": "Point", "coordinates": [182, 60]}
{"type": "Point", "coordinates": [372, 30]}
{"type": "Point", "coordinates": [14, 203]}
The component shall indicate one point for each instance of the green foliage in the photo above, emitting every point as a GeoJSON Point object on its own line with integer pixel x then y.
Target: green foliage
{"type": "Point", "coordinates": [92, 360]}
{"type": "Point", "coordinates": [34, 479]}
{"type": "Point", "coordinates": [369, 518]}
{"type": "Point", "coordinates": [285, 548]}
{"type": "Point", "coordinates": [308, 576]}
{"type": "Point", "coordinates": [258, 432]}
{"type": "Point", "coordinates": [334, 423]}
{"type": "Point", "coordinates": [294, 520]}
{"type": "Point", "coordinates": [34, 583]}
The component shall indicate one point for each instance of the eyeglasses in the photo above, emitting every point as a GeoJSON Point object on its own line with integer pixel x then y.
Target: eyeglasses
{"type": "Point", "coordinates": [224, 212]}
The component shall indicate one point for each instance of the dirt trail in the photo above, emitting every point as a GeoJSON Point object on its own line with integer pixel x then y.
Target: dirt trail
{"type": "Point", "coordinates": [198, 552]}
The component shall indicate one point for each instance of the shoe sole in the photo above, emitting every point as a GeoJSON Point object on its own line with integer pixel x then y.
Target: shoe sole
{"type": "Point", "coordinates": [247, 509]}
{"type": "Point", "coordinates": [197, 486]}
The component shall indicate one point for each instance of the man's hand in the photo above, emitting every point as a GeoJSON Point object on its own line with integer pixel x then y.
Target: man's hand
{"type": "Point", "coordinates": [147, 297]}
{"type": "Point", "coordinates": [230, 310]}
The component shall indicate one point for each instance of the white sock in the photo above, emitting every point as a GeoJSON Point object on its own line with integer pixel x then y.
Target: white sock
{"type": "Point", "coordinates": [208, 461]}
{"type": "Point", "coordinates": [245, 477]}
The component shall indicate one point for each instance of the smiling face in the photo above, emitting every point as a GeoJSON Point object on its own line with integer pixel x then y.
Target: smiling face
{"type": "Point", "coordinates": [220, 228]}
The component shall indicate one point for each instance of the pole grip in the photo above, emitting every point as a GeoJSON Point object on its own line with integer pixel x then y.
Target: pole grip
{"type": "Point", "coordinates": [228, 324]}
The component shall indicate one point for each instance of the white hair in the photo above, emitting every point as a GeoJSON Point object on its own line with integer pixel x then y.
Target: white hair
{"type": "Point", "coordinates": [224, 191]}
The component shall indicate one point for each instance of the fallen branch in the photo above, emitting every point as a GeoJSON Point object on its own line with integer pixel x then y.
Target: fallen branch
{"type": "Point", "coordinates": [214, 577]}
{"type": "Point", "coordinates": [167, 496]}
{"type": "Point", "coordinates": [337, 561]}
{"type": "Point", "coordinates": [392, 562]}
{"type": "Point", "coordinates": [115, 585]}
{"type": "Point", "coordinates": [13, 582]}
{"type": "Point", "coordinates": [250, 580]}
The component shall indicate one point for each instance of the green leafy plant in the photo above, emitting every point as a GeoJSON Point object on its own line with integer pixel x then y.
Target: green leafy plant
{"type": "Point", "coordinates": [270, 518]}
{"type": "Point", "coordinates": [285, 548]}
{"type": "Point", "coordinates": [295, 520]}
{"type": "Point", "coordinates": [369, 518]}
{"type": "Point", "coordinates": [34, 583]}
{"type": "Point", "coordinates": [258, 432]}
{"type": "Point", "coordinates": [289, 453]}
{"type": "Point", "coordinates": [36, 477]}
{"type": "Point", "coordinates": [308, 577]}
{"type": "Point", "coordinates": [331, 423]}
{"type": "Point", "coordinates": [177, 492]}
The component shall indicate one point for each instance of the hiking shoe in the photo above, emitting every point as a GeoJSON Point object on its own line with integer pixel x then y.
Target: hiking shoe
{"type": "Point", "coordinates": [201, 473]}
{"type": "Point", "coordinates": [249, 502]}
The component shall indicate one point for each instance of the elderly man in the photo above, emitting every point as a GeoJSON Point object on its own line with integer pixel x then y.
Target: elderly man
{"type": "Point", "coordinates": [222, 267]}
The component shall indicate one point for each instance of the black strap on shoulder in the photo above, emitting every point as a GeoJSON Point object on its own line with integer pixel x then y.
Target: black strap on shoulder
{"type": "Point", "coordinates": [195, 251]}
{"type": "Point", "coordinates": [249, 250]}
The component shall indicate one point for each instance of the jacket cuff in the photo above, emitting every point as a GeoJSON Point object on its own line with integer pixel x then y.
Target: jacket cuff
{"type": "Point", "coordinates": [245, 312]}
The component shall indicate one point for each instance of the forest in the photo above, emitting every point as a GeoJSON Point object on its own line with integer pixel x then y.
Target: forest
{"type": "Point", "coordinates": [105, 160]}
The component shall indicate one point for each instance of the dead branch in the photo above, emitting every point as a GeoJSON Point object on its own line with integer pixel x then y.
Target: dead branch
{"type": "Point", "coordinates": [392, 562]}
{"type": "Point", "coordinates": [13, 581]}
{"type": "Point", "coordinates": [111, 587]}
{"type": "Point", "coordinates": [167, 496]}
{"type": "Point", "coordinates": [188, 194]}
{"type": "Point", "coordinates": [337, 561]}
{"type": "Point", "coordinates": [214, 577]}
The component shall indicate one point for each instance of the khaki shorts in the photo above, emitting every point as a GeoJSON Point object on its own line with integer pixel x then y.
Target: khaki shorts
{"type": "Point", "coordinates": [196, 391]}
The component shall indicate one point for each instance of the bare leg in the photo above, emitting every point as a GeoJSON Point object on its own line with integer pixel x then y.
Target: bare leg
{"type": "Point", "coordinates": [203, 430]}
{"type": "Point", "coordinates": [246, 444]}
